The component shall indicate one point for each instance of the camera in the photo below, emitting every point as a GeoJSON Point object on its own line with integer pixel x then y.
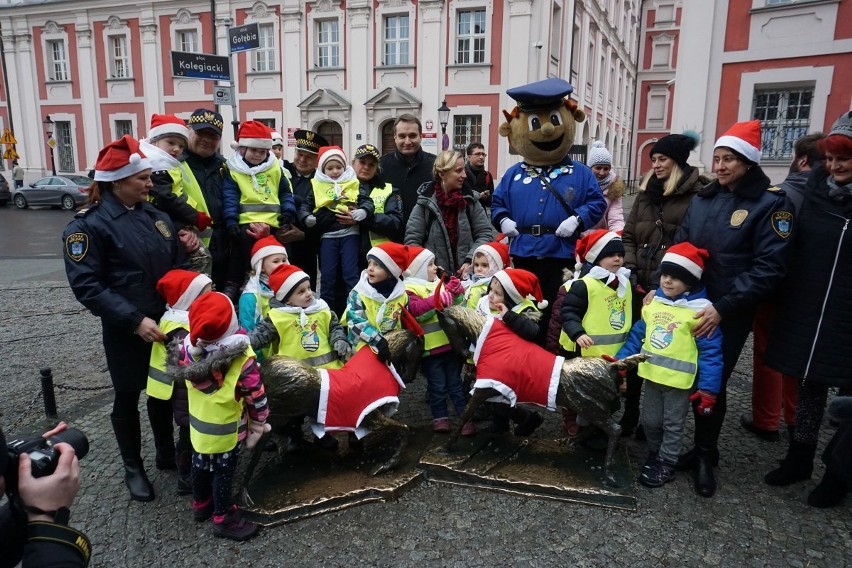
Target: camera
{"type": "Point", "coordinates": [43, 455]}
{"type": "Point", "coordinates": [441, 272]}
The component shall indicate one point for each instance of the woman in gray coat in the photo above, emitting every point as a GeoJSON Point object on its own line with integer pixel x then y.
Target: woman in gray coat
{"type": "Point", "coordinates": [447, 218]}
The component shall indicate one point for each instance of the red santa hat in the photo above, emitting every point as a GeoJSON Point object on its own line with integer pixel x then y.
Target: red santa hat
{"type": "Point", "coordinates": [253, 134]}
{"type": "Point", "coordinates": [418, 260]}
{"type": "Point", "coordinates": [264, 247]}
{"type": "Point", "coordinates": [497, 251]}
{"type": "Point", "coordinates": [284, 280]}
{"type": "Point", "coordinates": [684, 261]}
{"type": "Point", "coordinates": [167, 125]}
{"type": "Point", "coordinates": [179, 288]}
{"type": "Point", "coordinates": [212, 318]}
{"type": "Point", "coordinates": [120, 159]}
{"type": "Point", "coordinates": [393, 256]}
{"type": "Point", "coordinates": [744, 138]}
{"type": "Point", "coordinates": [327, 153]}
{"type": "Point", "coordinates": [598, 244]}
{"type": "Point", "coordinates": [520, 284]}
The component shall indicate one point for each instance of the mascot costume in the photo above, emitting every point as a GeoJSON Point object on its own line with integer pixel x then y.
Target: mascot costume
{"type": "Point", "coordinates": [544, 202]}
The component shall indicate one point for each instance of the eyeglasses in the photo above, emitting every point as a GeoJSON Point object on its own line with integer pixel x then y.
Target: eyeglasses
{"type": "Point", "coordinates": [479, 154]}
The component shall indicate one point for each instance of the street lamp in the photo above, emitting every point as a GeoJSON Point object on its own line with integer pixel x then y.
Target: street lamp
{"type": "Point", "coordinates": [444, 119]}
{"type": "Point", "coordinates": [48, 131]}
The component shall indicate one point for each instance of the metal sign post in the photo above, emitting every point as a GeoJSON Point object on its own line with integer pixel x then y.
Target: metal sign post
{"type": "Point", "coordinates": [240, 38]}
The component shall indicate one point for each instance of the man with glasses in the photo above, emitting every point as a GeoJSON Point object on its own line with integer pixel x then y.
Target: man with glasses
{"type": "Point", "coordinates": [478, 178]}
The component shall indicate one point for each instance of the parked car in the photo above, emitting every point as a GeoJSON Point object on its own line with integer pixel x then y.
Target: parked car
{"type": "Point", "coordinates": [5, 195]}
{"type": "Point", "coordinates": [66, 192]}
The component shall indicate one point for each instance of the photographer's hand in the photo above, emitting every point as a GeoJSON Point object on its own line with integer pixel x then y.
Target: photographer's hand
{"type": "Point", "coordinates": [51, 492]}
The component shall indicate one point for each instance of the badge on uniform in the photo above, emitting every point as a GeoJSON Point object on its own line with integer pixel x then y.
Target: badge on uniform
{"type": "Point", "coordinates": [163, 227]}
{"type": "Point", "coordinates": [76, 246]}
{"type": "Point", "coordinates": [782, 223]}
{"type": "Point", "coordinates": [738, 216]}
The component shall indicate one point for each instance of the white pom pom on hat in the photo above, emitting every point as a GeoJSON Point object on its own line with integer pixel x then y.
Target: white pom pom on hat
{"type": "Point", "coordinates": [520, 285]}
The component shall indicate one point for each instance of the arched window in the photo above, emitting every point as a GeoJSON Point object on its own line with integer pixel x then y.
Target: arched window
{"type": "Point", "coordinates": [332, 132]}
{"type": "Point", "coordinates": [388, 144]}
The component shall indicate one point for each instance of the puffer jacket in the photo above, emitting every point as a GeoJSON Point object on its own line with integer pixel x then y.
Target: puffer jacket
{"type": "Point", "coordinates": [812, 328]}
{"type": "Point", "coordinates": [613, 217]}
{"type": "Point", "coordinates": [426, 228]}
{"type": "Point", "coordinates": [650, 229]}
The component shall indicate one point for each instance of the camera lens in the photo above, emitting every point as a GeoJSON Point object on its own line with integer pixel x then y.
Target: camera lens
{"type": "Point", "coordinates": [75, 438]}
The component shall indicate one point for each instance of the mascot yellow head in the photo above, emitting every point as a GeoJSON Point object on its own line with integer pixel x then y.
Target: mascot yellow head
{"type": "Point", "coordinates": [541, 128]}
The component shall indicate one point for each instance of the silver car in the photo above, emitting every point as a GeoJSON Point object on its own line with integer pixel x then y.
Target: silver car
{"type": "Point", "coordinates": [66, 192]}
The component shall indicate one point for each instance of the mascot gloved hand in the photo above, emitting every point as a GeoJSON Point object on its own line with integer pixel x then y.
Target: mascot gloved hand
{"type": "Point", "coordinates": [567, 227]}
{"type": "Point", "coordinates": [509, 228]}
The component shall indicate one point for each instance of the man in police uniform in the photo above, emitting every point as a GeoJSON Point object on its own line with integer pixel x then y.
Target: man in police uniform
{"type": "Point", "coordinates": [303, 244]}
{"type": "Point", "coordinates": [205, 162]}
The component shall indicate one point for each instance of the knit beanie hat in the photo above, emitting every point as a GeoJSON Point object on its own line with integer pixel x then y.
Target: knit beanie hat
{"type": "Point", "coordinates": [743, 138]}
{"type": "Point", "coordinates": [392, 256]}
{"type": "Point", "coordinates": [167, 125]}
{"type": "Point", "coordinates": [520, 285]}
{"type": "Point", "coordinates": [598, 244]}
{"type": "Point", "coordinates": [598, 155]}
{"type": "Point", "coordinates": [327, 153]}
{"type": "Point", "coordinates": [277, 139]}
{"type": "Point", "coordinates": [676, 146]}
{"type": "Point", "coordinates": [496, 251]}
{"type": "Point", "coordinates": [179, 288]}
{"type": "Point", "coordinates": [120, 159]}
{"type": "Point", "coordinates": [212, 318]}
{"type": "Point", "coordinates": [842, 125]}
{"type": "Point", "coordinates": [253, 134]}
{"type": "Point", "coordinates": [284, 280]}
{"type": "Point", "coordinates": [685, 262]}
{"type": "Point", "coordinates": [264, 247]}
{"type": "Point", "coordinates": [418, 260]}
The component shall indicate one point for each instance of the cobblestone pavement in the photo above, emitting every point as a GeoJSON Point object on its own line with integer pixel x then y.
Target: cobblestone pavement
{"type": "Point", "coordinates": [747, 523]}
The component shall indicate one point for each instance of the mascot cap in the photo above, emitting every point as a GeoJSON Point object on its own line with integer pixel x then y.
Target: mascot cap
{"type": "Point", "coordinates": [541, 94]}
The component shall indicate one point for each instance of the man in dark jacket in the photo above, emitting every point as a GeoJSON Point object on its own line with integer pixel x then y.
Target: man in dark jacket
{"type": "Point", "coordinates": [408, 166]}
{"type": "Point", "coordinates": [204, 160]}
{"type": "Point", "coordinates": [478, 178]}
{"type": "Point", "coordinates": [771, 391]}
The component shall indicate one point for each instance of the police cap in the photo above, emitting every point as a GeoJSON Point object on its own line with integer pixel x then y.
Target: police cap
{"type": "Point", "coordinates": [308, 141]}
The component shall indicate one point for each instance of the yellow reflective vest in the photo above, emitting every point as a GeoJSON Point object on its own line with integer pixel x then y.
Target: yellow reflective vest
{"type": "Point", "coordinates": [607, 319]}
{"type": "Point", "coordinates": [259, 204]}
{"type": "Point", "coordinates": [195, 197]}
{"type": "Point", "coordinates": [161, 384]}
{"type": "Point", "coordinates": [214, 419]}
{"type": "Point", "coordinates": [390, 319]}
{"type": "Point", "coordinates": [475, 292]}
{"type": "Point", "coordinates": [433, 335]}
{"type": "Point", "coordinates": [335, 196]}
{"type": "Point", "coordinates": [308, 341]}
{"type": "Point", "coordinates": [668, 338]}
{"type": "Point", "coordinates": [380, 195]}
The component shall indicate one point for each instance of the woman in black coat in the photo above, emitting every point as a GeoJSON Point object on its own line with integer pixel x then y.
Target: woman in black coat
{"type": "Point", "coordinates": [116, 250]}
{"type": "Point", "coordinates": [813, 329]}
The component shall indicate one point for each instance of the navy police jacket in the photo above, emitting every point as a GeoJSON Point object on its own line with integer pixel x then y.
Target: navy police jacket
{"type": "Point", "coordinates": [747, 232]}
{"type": "Point", "coordinates": [114, 257]}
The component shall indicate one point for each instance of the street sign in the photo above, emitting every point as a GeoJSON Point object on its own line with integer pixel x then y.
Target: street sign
{"type": "Point", "coordinates": [7, 137]}
{"type": "Point", "coordinates": [10, 154]}
{"type": "Point", "coordinates": [201, 66]}
{"type": "Point", "coordinates": [52, 143]}
{"type": "Point", "coordinates": [244, 38]}
{"type": "Point", "coordinates": [222, 95]}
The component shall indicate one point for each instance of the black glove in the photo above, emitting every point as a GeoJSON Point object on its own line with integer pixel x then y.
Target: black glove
{"type": "Point", "coordinates": [235, 232]}
{"type": "Point", "coordinates": [383, 350]}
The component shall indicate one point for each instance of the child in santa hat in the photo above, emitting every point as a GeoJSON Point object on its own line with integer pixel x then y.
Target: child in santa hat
{"type": "Point", "coordinates": [441, 365]}
{"type": "Point", "coordinates": [376, 303]}
{"type": "Point", "coordinates": [680, 362]}
{"type": "Point", "coordinates": [179, 288]}
{"type": "Point", "coordinates": [487, 260]}
{"type": "Point", "coordinates": [267, 254]}
{"type": "Point", "coordinates": [227, 404]}
{"type": "Point", "coordinates": [335, 208]}
{"type": "Point", "coordinates": [175, 190]}
{"type": "Point", "coordinates": [257, 197]}
{"type": "Point", "coordinates": [298, 324]}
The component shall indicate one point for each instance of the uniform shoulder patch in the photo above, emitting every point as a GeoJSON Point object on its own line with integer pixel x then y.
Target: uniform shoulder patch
{"type": "Point", "coordinates": [782, 223]}
{"type": "Point", "coordinates": [86, 210]}
{"type": "Point", "coordinates": [776, 189]}
{"type": "Point", "coordinates": [76, 246]}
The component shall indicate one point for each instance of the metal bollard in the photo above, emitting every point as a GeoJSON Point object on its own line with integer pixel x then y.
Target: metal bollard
{"type": "Point", "coordinates": [47, 393]}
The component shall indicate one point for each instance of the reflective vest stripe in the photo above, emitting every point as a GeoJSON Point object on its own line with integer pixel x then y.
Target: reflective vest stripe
{"type": "Point", "coordinates": [609, 339]}
{"type": "Point", "coordinates": [159, 376]}
{"type": "Point", "coordinates": [670, 363]}
{"type": "Point", "coordinates": [260, 207]}
{"type": "Point", "coordinates": [212, 429]}
{"type": "Point", "coordinates": [259, 204]}
{"type": "Point", "coordinates": [431, 327]}
{"type": "Point", "coordinates": [160, 384]}
{"type": "Point", "coordinates": [606, 313]}
{"type": "Point", "coordinates": [433, 334]}
{"type": "Point", "coordinates": [321, 359]}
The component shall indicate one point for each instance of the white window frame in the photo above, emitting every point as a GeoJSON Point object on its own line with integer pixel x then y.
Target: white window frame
{"type": "Point", "coordinates": [397, 41]}
{"type": "Point", "coordinates": [265, 17]}
{"type": "Point", "coordinates": [471, 6]}
{"type": "Point", "coordinates": [658, 90]}
{"type": "Point", "coordinates": [130, 117]}
{"type": "Point", "coordinates": [264, 58]}
{"type": "Point", "coordinates": [659, 8]}
{"type": "Point", "coordinates": [115, 129]}
{"type": "Point", "coordinates": [181, 43]}
{"type": "Point", "coordinates": [119, 63]}
{"type": "Point", "coordinates": [469, 123]}
{"type": "Point", "coordinates": [185, 21]}
{"type": "Point", "coordinates": [327, 60]}
{"type": "Point", "coordinates": [51, 33]}
{"type": "Point", "coordinates": [662, 41]}
{"type": "Point", "coordinates": [113, 29]}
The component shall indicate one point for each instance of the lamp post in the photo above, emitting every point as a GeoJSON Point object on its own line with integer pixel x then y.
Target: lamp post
{"type": "Point", "coordinates": [48, 131]}
{"type": "Point", "coordinates": [444, 119]}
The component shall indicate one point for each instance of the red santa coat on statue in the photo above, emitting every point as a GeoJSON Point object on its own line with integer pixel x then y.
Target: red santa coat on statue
{"type": "Point", "coordinates": [521, 371]}
{"type": "Point", "coordinates": [348, 395]}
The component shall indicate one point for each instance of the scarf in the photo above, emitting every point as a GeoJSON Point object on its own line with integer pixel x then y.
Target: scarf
{"type": "Point", "coordinates": [238, 164]}
{"type": "Point", "coordinates": [605, 183]}
{"type": "Point", "coordinates": [654, 189]}
{"type": "Point", "coordinates": [394, 286]}
{"type": "Point", "coordinates": [450, 203]}
{"type": "Point", "coordinates": [838, 192]}
{"type": "Point", "coordinates": [318, 305]}
{"type": "Point", "coordinates": [160, 159]}
{"type": "Point", "coordinates": [623, 275]}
